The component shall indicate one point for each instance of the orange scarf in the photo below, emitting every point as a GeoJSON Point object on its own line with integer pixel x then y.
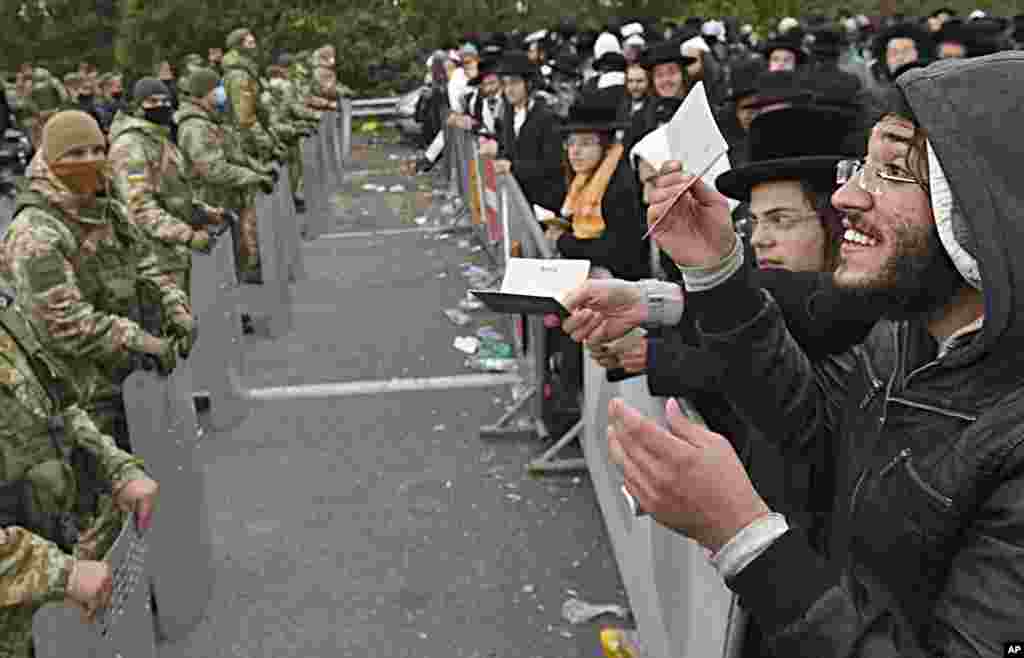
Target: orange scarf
{"type": "Point", "coordinates": [583, 202]}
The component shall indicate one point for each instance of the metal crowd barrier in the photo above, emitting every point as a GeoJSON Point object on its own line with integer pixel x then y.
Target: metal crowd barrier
{"type": "Point", "coordinates": [682, 607]}
{"type": "Point", "coordinates": [375, 107]}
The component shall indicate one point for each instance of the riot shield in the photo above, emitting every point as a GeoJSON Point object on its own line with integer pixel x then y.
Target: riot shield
{"type": "Point", "coordinates": [124, 628]}
{"type": "Point", "coordinates": [313, 176]}
{"type": "Point", "coordinates": [285, 219]}
{"type": "Point", "coordinates": [269, 303]}
{"type": "Point", "coordinates": [164, 431]}
{"type": "Point", "coordinates": [216, 358]}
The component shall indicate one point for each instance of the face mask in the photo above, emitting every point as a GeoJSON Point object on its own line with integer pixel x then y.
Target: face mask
{"type": "Point", "coordinates": [81, 177]}
{"type": "Point", "coordinates": [161, 116]}
{"type": "Point", "coordinates": [220, 98]}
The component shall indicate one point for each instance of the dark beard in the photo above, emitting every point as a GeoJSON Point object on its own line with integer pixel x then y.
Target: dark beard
{"type": "Point", "coordinates": [919, 280]}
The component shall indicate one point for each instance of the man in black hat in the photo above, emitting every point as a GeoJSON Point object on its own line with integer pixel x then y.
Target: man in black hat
{"type": "Point", "coordinates": [483, 104]}
{"type": "Point", "coordinates": [638, 84]}
{"type": "Point", "coordinates": [952, 41]}
{"type": "Point", "coordinates": [528, 144]}
{"type": "Point", "coordinates": [900, 48]}
{"type": "Point", "coordinates": [667, 66]}
{"type": "Point", "coordinates": [938, 18]}
{"type": "Point", "coordinates": [785, 53]}
{"type": "Point", "coordinates": [740, 108]}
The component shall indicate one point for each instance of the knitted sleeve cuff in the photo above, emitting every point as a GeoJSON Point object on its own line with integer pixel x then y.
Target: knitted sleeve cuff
{"type": "Point", "coordinates": [699, 279]}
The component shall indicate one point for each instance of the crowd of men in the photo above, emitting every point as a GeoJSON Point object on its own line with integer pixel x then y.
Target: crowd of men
{"type": "Point", "coordinates": [839, 306]}
{"type": "Point", "coordinates": [95, 276]}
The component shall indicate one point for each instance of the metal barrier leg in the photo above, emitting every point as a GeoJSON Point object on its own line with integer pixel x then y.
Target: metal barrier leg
{"type": "Point", "coordinates": [546, 462]}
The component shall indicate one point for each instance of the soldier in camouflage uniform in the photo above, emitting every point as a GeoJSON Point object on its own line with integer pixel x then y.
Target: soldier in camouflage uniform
{"type": "Point", "coordinates": [111, 100]}
{"type": "Point", "coordinates": [40, 96]}
{"type": "Point", "coordinates": [55, 459]}
{"type": "Point", "coordinates": [149, 179]}
{"type": "Point", "coordinates": [224, 174]}
{"type": "Point", "coordinates": [294, 121]}
{"type": "Point", "coordinates": [190, 64]}
{"type": "Point", "coordinates": [84, 275]}
{"type": "Point", "coordinates": [251, 118]}
{"type": "Point", "coordinates": [244, 89]}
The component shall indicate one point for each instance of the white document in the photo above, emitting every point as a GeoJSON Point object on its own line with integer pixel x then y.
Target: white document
{"type": "Point", "coordinates": [540, 277]}
{"type": "Point", "coordinates": [535, 286]}
{"type": "Point", "coordinates": [691, 137]}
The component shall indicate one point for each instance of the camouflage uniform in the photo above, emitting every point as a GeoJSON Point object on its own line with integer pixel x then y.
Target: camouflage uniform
{"type": "Point", "coordinates": [34, 563]}
{"type": "Point", "coordinates": [147, 172]}
{"type": "Point", "coordinates": [245, 109]}
{"type": "Point", "coordinates": [191, 63]}
{"type": "Point", "coordinates": [224, 174]}
{"type": "Point", "coordinates": [46, 98]}
{"type": "Point", "coordinates": [86, 278]}
{"type": "Point", "coordinates": [306, 122]}
{"type": "Point", "coordinates": [292, 122]}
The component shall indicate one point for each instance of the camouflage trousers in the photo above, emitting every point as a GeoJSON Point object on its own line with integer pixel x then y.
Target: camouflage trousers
{"type": "Point", "coordinates": [98, 536]}
{"type": "Point", "coordinates": [248, 249]}
{"type": "Point", "coordinates": [295, 171]}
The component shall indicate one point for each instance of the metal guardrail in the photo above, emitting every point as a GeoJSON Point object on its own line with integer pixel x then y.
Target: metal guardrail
{"type": "Point", "coordinates": [375, 107]}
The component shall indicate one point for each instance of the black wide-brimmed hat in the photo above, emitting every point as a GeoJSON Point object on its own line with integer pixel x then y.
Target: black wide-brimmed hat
{"type": "Point", "coordinates": [795, 143]}
{"type": "Point", "coordinates": [924, 42]}
{"type": "Point", "coordinates": [666, 52]}
{"type": "Point", "coordinates": [743, 81]}
{"type": "Point", "coordinates": [828, 44]}
{"type": "Point", "coordinates": [788, 42]}
{"type": "Point", "coordinates": [773, 87]}
{"type": "Point", "coordinates": [517, 62]}
{"type": "Point", "coordinates": [612, 62]}
{"type": "Point", "coordinates": [596, 111]}
{"type": "Point", "coordinates": [953, 31]}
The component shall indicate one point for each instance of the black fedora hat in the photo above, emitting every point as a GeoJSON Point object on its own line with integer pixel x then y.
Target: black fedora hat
{"type": "Point", "coordinates": [596, 111]}
{"type": "Point", "coordinates": [924, 42]}
{"type": "Point", "coordinates": [789, 144]}
{"type": "Point", "coordinates": [790, 42]}
{"type": "Point", "coordinates": [828, 44]}
{"type": "Point", "coordinates": [666, 52]}
{"type": "Point", "coordinates": [517, 62]}
{"type": "Point", "coordinates": [611, 62]}
{"type": "Point", "coordinates": [743, 80]}
{"type": "Point", "coordinates": [774, 87]}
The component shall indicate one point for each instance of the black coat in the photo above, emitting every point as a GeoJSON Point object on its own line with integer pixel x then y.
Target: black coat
{"type": "Point", "coordinates": [622, 247]}
{"type": "Point", "coordinates": [535, 154]}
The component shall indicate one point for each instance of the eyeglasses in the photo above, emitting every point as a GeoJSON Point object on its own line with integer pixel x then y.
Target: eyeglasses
{"type": "Point", "coordinates": [876, 179]}
{"type": "Point", "coordinates": [780, 223]}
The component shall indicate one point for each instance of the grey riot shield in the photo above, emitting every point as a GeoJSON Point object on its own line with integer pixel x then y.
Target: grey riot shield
{"type": "Point", "coordinates": [125, 628]}
{"type": "Point", "coordinates": [216, 357]}
{"type": "Point", "coordinates": [312, 176]}
{"type": "Point", "coordinates": [269, 303]}
{"type": "Point", "coordinates": [331, 149]}
{"type": "Point", "coordinates": [287, 219]}
{"type": "Point", "coordinates": [6, 213]}
{"type": "Point", "coordinates": [165, 433]}
{"type": "Point", "coordinates": [345, 129]}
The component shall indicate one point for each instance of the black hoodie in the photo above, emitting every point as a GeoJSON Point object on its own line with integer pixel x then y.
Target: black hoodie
{"type": "Point", "coordinates": [925, 551]}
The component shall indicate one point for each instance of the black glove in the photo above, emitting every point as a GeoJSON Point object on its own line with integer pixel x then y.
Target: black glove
{"type": "Point", "coordinates": [275, 175]}
{"type": "Point", "coordinates": [199, 217]}
{"type": "Point", "coordinates": [267, 187]}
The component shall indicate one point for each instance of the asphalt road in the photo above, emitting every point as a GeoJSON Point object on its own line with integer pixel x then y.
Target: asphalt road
{"type": "Point", "coordinates": [383, 525]}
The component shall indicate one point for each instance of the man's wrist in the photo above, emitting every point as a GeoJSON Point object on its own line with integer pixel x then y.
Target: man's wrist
{"type": "Point", "coordinates": [700, 279]}
{"type": "Point", "coordinates": [663, 301]}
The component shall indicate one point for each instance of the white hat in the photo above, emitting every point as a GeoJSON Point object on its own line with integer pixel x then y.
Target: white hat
{"type": "Point", "coordinates": [635, 40]}
{"type": "Point", "coordinates": [536, 36]}
{"type": "Point", "coordinates": [787, 24]}
{"type": "Point", "coordinates": [714, 29]}
{"type": "Point", "coordinates": [606, 43]}
{"type": "Point", "coordinates": [697, 43]}
{"type": "Point", "coordinates": [977, 13]}
{"type": "Point", "coordinates": [631, 29]}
